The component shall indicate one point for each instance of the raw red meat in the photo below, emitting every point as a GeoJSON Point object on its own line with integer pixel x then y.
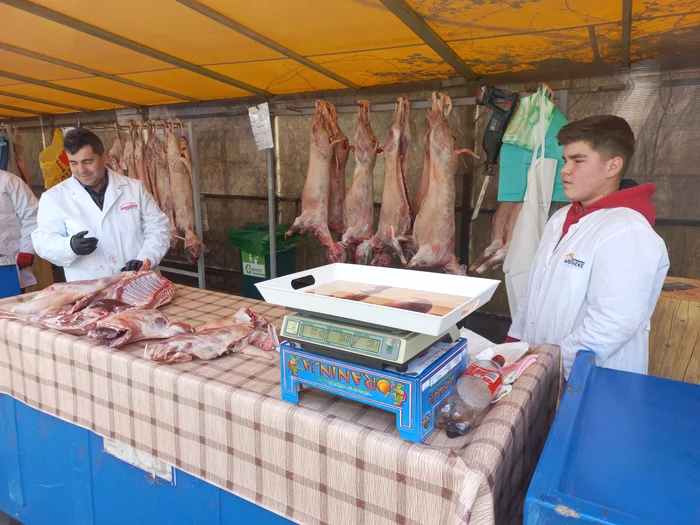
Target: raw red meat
{"type": "Point", "coordinates": [336, 200]}
{"type": "Point", "coordinates": [263, 334]}
{"type": "Point", "coordinates": [66, 298]}
{"type": "Point", "coordinates": [93, 312]}
{"type": "Point", "coordinates": [134, 325]}
{"type": "Point", "coordinates": [314, 200]}
{"type": "Point", "coordinates": [502, 226]}
{"type": "Point", "coordinates": [128, 155]}
{"type": "Point", "coordinates": [396, 217]}
{"type": "Point", "coordinates": [434, 230]}
{"type": "Point", "coordinates": [206, 345]}
{"type": "Point", "coordinates": [140, 160]}
{"type": "Point", "coordinates": [359, 201]}
{"type": "Point", "coordinates": [424, 183]}
{"type": "Point", "coordinates": [143, 290]}
{"type": "Point", "coordinates": [115, 153]}
{"type": "Point", "coordinates": [181, 191]}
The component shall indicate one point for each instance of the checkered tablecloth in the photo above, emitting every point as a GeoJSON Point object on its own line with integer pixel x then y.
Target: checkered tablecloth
{"type": "Point", "coordinates": [325, 461]}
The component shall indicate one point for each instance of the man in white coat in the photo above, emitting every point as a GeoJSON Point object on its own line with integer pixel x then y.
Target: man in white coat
{"type": "Point", "coordinates": [600, 266]}
{"type": "Point", "coordinates": [98, 223]}
{"type": "Point", "coordinates": [18, 209]}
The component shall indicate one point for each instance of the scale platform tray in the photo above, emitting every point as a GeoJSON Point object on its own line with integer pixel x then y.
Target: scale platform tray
{"type": "Point", "coordinates": [411, 395]}
{"type": "Point", "coordinates": [415, 301]}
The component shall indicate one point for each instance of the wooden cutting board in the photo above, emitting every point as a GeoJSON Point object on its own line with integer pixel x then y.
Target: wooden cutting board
{"type": "Point", "coordinates": [674, 340]}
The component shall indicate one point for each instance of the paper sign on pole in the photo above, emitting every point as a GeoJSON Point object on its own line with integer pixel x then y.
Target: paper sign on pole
{"type": "Point", "coordinates": [262, 128]}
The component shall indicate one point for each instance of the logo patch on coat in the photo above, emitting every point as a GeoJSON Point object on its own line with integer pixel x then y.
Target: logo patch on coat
{"type": "Point", "coordinates": [572, 261]}
{"type": "Point", "coordinates": [128, 206]}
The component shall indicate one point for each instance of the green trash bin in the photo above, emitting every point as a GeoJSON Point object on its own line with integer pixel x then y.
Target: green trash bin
{"type": "Point", "coordinates": [253, 240]}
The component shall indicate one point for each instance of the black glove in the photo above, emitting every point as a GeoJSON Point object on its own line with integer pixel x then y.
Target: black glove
{"type": "Point", "coordinates": [134, 265]}
{"type": "Point", "coordinates": [82, 245]}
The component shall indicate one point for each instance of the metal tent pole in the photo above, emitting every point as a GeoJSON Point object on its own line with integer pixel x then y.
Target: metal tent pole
{"type": "Point", "coordinates": [271, 203]}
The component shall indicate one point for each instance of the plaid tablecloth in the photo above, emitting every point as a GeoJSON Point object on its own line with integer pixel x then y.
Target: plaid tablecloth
{"type": "Point", "coordinates": [325, 461]}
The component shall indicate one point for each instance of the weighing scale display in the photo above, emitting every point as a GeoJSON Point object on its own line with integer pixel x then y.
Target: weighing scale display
{"type": "Point", "coordinates": [339, 338]}
{"type": "Point", "coordinates": [367, 344]}
{"type": "Point", "coordinates": [313, 332]}
{"type": "Point", "coordinates": [389, 346]}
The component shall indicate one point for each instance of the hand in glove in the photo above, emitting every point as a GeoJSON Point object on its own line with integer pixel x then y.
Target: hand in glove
{"type": "Point", "coordinates": [24, 260]}
{"type": "Point", "coordinates": [82, 245]}
{"type": "Point", "coordinates": [134, 265]}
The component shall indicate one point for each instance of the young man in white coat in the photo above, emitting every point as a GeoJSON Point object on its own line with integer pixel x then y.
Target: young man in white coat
{"type": "Point", "coordinates": [98, 223]}
{"type": "Point", "coordinates": [600, 266]}
{"type": "Point", "coordinates": [18, 209]}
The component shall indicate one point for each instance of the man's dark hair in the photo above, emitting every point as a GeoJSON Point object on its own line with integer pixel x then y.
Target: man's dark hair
{"type": "Point", "coordinates": [77, 138]}
{"type": "Point", "coordinates": [608, 135]}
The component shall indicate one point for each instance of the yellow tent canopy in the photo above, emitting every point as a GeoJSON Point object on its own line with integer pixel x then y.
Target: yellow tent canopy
{"type": "Point", "coordinates": [77, 55]}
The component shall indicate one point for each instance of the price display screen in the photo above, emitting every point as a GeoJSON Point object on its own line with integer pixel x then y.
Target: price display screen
{"type": "Point", "coordinates": [313, 332]}
{"type": "Point", "coordinates": [339, 338]}
{"type": "Point", "coordinates": [367, 344]}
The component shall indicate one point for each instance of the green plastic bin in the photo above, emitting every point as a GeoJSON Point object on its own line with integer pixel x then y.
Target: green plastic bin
{"type": "Point", "coordinates": [253, 240]}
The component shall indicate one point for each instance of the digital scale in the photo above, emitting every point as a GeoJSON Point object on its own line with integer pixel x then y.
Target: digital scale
{"type": "Point", "coordinates": [363, 344]}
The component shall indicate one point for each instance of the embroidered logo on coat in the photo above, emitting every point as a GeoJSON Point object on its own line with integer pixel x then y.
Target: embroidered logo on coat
{"type": "Point", "coordinates": [128, 206]}
{"type": "Point", "coordinates": [570, 260]}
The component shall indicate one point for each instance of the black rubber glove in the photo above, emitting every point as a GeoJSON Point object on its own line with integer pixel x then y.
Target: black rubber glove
{"type": "Point", "coordinates": [82, 245]}
{"type": "Point", "coordinates": [134, 265]}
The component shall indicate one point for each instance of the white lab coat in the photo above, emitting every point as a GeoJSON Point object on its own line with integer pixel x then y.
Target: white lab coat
{"type": "Point", "coordinates": [532, 218]}
{"type": "Point", "coordinates": [129, 226]}
{"type": "Point", "coordinates": [596, 289]}
{"type": "Point", "coordinates": [18, 209]}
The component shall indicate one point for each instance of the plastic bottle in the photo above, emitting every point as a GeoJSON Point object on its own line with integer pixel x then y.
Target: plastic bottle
{"type": "Point", "coordinates": [473, 393]}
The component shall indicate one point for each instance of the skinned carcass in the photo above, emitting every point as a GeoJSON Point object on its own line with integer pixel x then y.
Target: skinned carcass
{"type": "Point", "coordinates": [182, 193]}
{"type": "Point", "coordinates": [140, 160]}
{"type": "Point", "coordinates": [134, 325]}
{"type": "Point", "coordinates": [434, 229]}
{"type": "Point", "coordinates": [359, 200]}
{"type": "Point", "coordinates": [128, 154]}
{"type": "Point", "coordinates": [205, 344]}
{"type": "Point", "coordinates": [336, 199]}
{"type": "Point", "coordinates": [151, 154]}
{"type": "Point", "coordinates": [143, 290]}
{"type": "Point", "coordinates": [396, 217]}
{"type": "Point", "coordinates": [502, 226]}
{"type": "Point", "coordinates": [314, 200]}
{"type": "Point", "coordinates": [263, 333]}
{"type": "Point", "coordinates": [66, 298]}
{"type": "Point", "coordinates": [165, 199]}
{"type": "Point", "coordinates": [115, 153]}
{"type": "Point", "coordinates": [75, 322]}
{"type": "Point", "coordinates": [424, 183]}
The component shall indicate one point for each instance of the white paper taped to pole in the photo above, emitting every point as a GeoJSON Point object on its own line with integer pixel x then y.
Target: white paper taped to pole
{"type": "Point", "coordinates": [262, 128]}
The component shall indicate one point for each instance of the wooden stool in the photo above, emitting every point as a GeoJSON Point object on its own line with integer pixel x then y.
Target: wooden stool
{"type": "Point", "coordinates": [674, 340]}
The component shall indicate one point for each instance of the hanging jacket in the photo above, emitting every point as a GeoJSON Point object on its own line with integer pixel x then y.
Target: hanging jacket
{"type": "Point", "coordinates": [129, 226]}
{"type": "Point", "coordinates": [514, 162]}
{"type": "Point", "coordinates": [594, 284]}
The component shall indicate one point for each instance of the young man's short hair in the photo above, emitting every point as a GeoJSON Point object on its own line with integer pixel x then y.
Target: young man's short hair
{"type": "Point", "coordinates": [77, 138]}
{"type": "Point", "coordinates": [608, 135]}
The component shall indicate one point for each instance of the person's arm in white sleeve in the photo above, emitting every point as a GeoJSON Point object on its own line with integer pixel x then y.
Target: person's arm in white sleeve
{"type": "Point", "coordinates": [51, 240]}
{"type": "Point", "coordinates": [26, 207]}
{"type": "Point", "coordinates": [619, 293]}
{"type": "Point", "coordinates": [156, 230]}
